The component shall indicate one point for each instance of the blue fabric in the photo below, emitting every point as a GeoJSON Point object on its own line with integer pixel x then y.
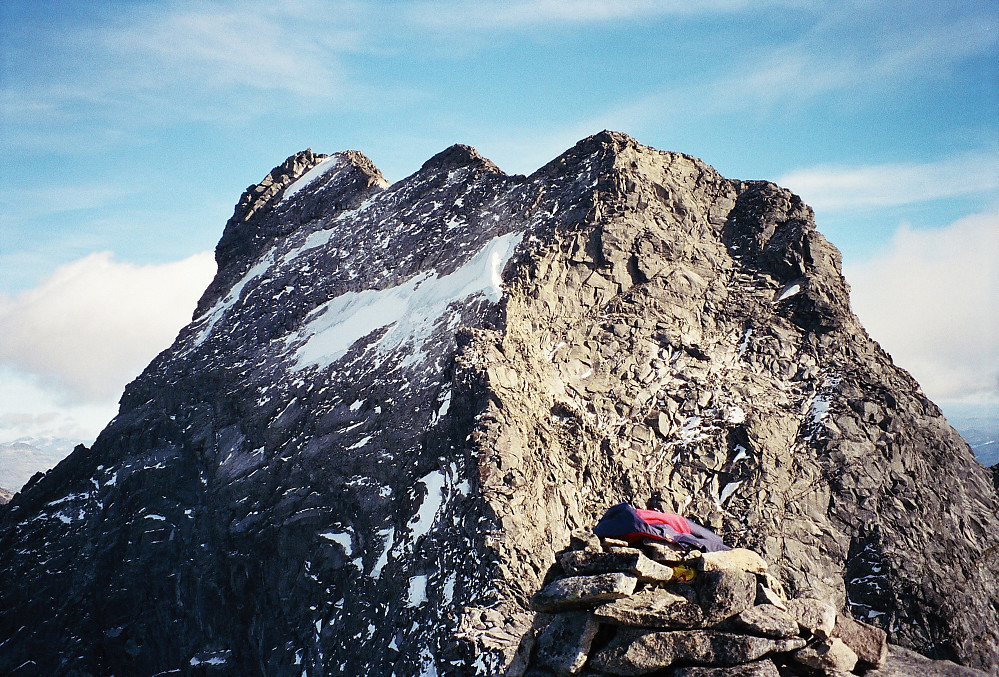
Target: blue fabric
{"type": "Point", "coordinates": [621, 521]}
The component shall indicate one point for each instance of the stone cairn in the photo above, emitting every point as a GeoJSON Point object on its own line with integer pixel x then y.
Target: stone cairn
{"type": "Point", "coordinates": [608, 608]}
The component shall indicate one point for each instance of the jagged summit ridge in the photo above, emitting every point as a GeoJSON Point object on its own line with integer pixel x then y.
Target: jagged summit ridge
{"type": "Point", "coordinates": [396, 402]}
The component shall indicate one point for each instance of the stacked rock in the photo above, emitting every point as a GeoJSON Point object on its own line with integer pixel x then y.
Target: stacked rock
{"type": "Point", "coordinates": [652, 608]}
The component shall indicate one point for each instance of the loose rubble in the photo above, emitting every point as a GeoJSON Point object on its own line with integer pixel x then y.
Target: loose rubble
{"type": "Point", "coordinates": [731, 620]}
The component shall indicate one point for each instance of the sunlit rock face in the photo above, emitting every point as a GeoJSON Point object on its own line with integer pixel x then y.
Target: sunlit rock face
{"type": "Point", "coordinates": [395, 402]}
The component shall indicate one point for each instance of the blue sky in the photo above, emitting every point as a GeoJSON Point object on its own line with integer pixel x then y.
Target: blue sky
{"type": "Point", "coordinates": [129, 130]}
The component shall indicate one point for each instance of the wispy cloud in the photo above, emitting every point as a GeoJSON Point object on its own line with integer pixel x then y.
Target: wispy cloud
{"type": "Point", "coordinates": [890, 185]}
{"type": "Point", "coordinates": [931, 303]}
{"type": "Point", "coordinates": [493, 14]}
{"type": "Point", "coordinates": [95, 323]}
{"type": "Point", "coordinates": [836, 62]}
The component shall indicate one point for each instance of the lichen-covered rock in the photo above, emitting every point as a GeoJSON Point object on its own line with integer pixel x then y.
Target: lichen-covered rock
{"type": "Point", "coordinates": [639, 652]}
{"type": "Point", "coordinates": [564, 645]}
{"type": "Point", "coordinates": [575, 592]}
{"type": "Point", "coordinates": [651, 608]}
{"type": "Point", "coordinates": [580, 563]}
{"type": "Point", "coordinates": [814, 616]}
{"type": "Point", "coordinates": [765, 620]}
{"type": "Point", "coordinates": [829, 655]}
{"type": "Point", "coordinates": [764, 668]}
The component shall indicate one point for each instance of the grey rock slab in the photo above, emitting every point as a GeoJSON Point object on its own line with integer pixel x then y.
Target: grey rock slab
{"type": "Point", "coordinates": [765, 620]}
{"type": "Point", "coordinates": [763, 668]}
{"type": "Point", "coordinates": [579, 563]}
{"type": "Point", "coordinates": [813, 615]}
{"type": "Point", "coordinates": [663, 551]}
{"type": "Point", "coordinates": [564, 645]}
{"type": "Point", "coordinates": [725, 593]}
{"type": "Point", "coordinates": [770, 591]}
{"type": "Point", "coordinates": [902, 662]}
{"type": "Point", "coordinates": [637, 652]}
{"type": "Point", "coordinates": [651, 608]}
{"type": "Point", "coordinates": [868, 642]}
{"type": "Point", "coordinates": [580, 591]}
{"type": "Point", "coordinates": [739, 559]}
{"type": "Point", "coordinates": [830, 655]}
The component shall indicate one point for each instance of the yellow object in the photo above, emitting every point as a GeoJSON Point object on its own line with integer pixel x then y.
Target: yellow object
{"type": "Point", "coordinates": [683, 573]}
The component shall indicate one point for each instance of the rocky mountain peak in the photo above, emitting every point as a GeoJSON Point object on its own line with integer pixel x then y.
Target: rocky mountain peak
{"type": "Point", "coordinates": [457, 157]}
{"type": "Point", "coordinates": [395, 405]}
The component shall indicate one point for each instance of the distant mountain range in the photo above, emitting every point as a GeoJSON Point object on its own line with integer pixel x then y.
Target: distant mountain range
{"type": "Point", "coordinates": [25, 456]}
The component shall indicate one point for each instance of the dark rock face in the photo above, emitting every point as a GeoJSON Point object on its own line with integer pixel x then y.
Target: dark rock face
{"type": "Point", "coordinates": [396, 403]}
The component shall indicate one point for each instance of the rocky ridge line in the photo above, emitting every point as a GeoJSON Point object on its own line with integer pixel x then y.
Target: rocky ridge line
{"type": "Point", "coordinates": [396, 403]}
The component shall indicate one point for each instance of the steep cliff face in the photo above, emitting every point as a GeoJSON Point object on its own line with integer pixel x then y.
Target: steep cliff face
{"type": "Point", "coordinates": [395, 402]}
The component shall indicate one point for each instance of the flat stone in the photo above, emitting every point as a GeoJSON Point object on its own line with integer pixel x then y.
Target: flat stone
{"type": "Point", "coordinates": [770, 591]}
{"type": "Point", "coordinates": [725, 593]}
{"type": "Point", "coordinates": [581, 591]}
{"type": "Point", "coordinates": [584, 539]}
{"type": "Point", "coordinates": [637, 652]}
{"type": "Point", "coordinates": [615, 542]}
{"type": "Point", "coordinates": [739, 559]}
{"type": "Point", "coordinates": [765, 620]}
{"type": "Point", "coordinates": [652, 608]}
{"type": "Point", "coordinates": [830, 655]}
{"type": "Point", "coordinates": [813, 615]}
{"type": "Point", "coordinates": [868, 642]}
{"type": "Point", "coordinates": [764, 668]}
{"type": "Point", "coordinates": [663, 551]}
{"type": "Point", "coordinates": [564, 645]}
{"type": "Point", "coordinates": [581, 563]}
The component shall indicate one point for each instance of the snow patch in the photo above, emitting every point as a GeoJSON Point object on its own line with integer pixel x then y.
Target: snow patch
{"type": "Point", "coordinates": [322, 168]}
{"type": "Point", "coordinates": [408, 310]}
{"type": "Point", "coordinates": [788, 292]}
{"type": "Point", "coordinates": [387, 536]}
{"type": "Point", "coordinates": [417, 591]}
{"type": "Point", "coordinates": [432, 503]}
{"type": "Point", "coordinates": [341, 537]}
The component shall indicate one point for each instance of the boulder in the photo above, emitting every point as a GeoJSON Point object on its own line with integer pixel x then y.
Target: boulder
{"type": "Point", "coordinates": [868, 642]}
{"type": "Point", "coordinates": [765, 620]}
{"type": "Point", "coordinates": [581, 591]}
{"type": "Point", "coordinates": [564, 645]}
{"type": "Point", "coordinates": [813, 615]}
{"type": "Point", "coordinates": [638, 652]}
{"type": "Point", "coordinates": [651, 608]}
{"type": "Point", "coordinates": [725, 593]}
{"type": "Point", "coordinates": [830, 655]}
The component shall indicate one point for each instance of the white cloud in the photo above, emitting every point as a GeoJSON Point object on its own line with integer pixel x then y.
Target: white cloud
{"type": "Point", "coordinates": [932, 304]}
{"type": "Point", "coordinates": [31, 410]}
{"type": "Point", "coordinates": [889, 185]}
{"type": "Point", "coordinates": [94, 324]}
